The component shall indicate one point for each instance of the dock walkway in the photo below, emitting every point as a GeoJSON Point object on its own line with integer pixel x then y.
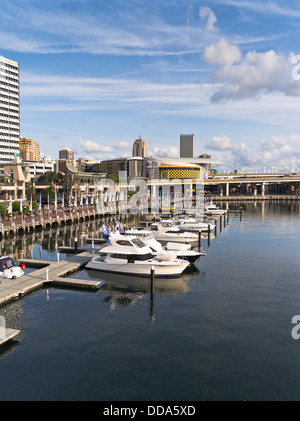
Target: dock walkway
{"type": "Point", "coordinates": [52, 273]}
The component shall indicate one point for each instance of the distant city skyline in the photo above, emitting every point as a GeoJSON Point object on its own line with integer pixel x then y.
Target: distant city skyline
{"type": "Point", "coordinates": [95, 74]}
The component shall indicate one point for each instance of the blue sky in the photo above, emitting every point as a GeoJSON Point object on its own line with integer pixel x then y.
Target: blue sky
{"type": "Point", "coordinates": [95, 75]}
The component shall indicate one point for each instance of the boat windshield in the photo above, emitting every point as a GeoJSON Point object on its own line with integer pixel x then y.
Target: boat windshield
{"type": "Point", "coordinates": [138, 242]}
{"type": "Point", "coordinates": [6, 263]}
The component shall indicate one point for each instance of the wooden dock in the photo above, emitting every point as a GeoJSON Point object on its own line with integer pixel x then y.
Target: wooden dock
{"type": "Point", "coordinates": [49, 274]}
{"type": "Point", "coordinates": [7, 335]}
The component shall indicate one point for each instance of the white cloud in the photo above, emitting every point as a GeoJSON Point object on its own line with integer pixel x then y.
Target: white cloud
{"type": "Point", "coordinates": [252, 75]}
{"type": "Point", "coordinates": [56, 31]}
{"type": "Point", "coordinates": [265, 7]}
{"type": "Point", "coordinates": [171, 152]}
{"type": "Point", "coordinates": [92, 147]}
{"type": "Point", "coordinates": [208, 17]}
{"type": "Point", "coordinates": [280, 152]}
{"type": "Point", "coordinates": [221, 53]}
{"type": "Point", "coordinates": [220, 143]}
{"type": "Point", "coordinates": [122, 145]}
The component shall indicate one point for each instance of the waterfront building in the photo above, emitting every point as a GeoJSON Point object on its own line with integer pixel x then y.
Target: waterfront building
{"type": "Point", "coordinates": [36, 169]}
{"type": "Point", "coordinates": [187, 145]}
{"type": "Point", "coordinates": [29, 150]}
{"type": "Point", "coordinates": [139, 148]}
{"type": "Point", "coordinates": [9, 111]}
{"type": "Point", "coordinates": [133, 166]}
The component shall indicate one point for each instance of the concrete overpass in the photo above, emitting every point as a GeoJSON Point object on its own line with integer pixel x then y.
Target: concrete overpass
{"type": "Point", "coordinates": [253, 184]}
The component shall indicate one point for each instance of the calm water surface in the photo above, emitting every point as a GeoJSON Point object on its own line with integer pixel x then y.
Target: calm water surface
{"type": "Point", "coordinates": [221, 332]}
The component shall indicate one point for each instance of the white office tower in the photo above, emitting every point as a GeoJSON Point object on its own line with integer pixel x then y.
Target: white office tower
{"type": "Point", "coordinates": [9, 111]}
{"type": "Point", "coordinates": [187, 145]}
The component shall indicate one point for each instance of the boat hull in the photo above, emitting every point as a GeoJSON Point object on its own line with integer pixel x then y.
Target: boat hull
{"type": "Point", "coordinates": [140, 269]}
{"type": "Point", "coordinates": [174, 237]}
{"type": "Point", "coordinates": [196, 227]}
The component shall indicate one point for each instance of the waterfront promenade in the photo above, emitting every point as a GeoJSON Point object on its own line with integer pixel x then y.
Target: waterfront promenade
{"type": "Point", "coordinates": [49, 274]}
{"type": "Point", "coordinates": [46, 219]}
{"type": "Point", "coordinates": [62, 216]}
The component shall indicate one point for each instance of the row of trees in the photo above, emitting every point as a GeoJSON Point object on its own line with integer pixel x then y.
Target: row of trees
{"type": "Point", "coordinates": [16, 209]}
{"type": "Point", "coordinates": [49, 177]}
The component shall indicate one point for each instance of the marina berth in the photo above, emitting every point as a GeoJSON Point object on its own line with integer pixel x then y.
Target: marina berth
{"type": "Point", "coordinates": [127, 254]}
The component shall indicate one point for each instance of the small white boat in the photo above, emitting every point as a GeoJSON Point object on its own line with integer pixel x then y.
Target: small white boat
{"type": "Point", "coordinates": [129, 255]}
{"type": "Point", "coordinates": [163, 232]}
{"type": "Point", "coordinates": [157, 248]}
{"type": "Point", "coordinates": [8, 269]}
{"type": "Point", "coordinates": [191, 224]}
{"type": "Point", "coordinates": [211, 209]}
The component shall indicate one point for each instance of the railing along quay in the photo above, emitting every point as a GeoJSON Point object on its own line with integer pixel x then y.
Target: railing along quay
{"type": "Point", "coordinates": [46, 220]}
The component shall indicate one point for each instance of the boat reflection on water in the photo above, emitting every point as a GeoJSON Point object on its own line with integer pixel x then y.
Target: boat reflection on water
{"type": "Point", "coordinates": [126, 290]}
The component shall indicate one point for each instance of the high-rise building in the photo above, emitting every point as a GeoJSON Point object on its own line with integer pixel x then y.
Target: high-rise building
{"type": "Point", "coordinates": [139, 148]}
{"type": "Point", "coordinates": [187, 145]}
{"type": "Point", "coordinates": [66, 157]}
{"type": "Point", "coordinates": [29, 149]}
{"type": "Point", "coordinates": [9, 111]}
{"type": "Point", "coordinates": [66, 153]}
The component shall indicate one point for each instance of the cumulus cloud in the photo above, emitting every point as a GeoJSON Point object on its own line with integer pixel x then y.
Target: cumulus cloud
{"type": "Point", "coordinates": [122, 145]}
{"type": "Point", "coordinates": [171, 152]}
{"type": "Point", "coordinates": [251, 75]}
{"type": "Point", "coordinates": [222, 53]}
{"type": "Point", "coordinates": [91, 147]}
{"type": "Point", "coordinates": [220, 143]}
{"type": "Point", "coordinates": [208, 18]}
{"type": "Point", "coordinates": [279, 152]}
{"type": "Point", "coordinates": [99, 152]}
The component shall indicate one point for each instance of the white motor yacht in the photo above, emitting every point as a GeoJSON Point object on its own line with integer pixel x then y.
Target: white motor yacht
{"type": "Point", "coordinates": [129, 255]}
{"type": "Point", "coordinates": [191, 224]}
{"type": "Point", "coordinates": [170, 245]}
{"type": "Point", "coordinates": [181, 251]}
{"type": "Point", "coordinates": [168, 231]}
{"type": "Point", "coordinates": [211, 209]}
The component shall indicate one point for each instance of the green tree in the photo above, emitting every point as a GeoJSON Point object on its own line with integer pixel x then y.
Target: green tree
{"type": "Point", "coordinates": [51, 177]}
{"type": "Point", "coordinates": [3, 211]}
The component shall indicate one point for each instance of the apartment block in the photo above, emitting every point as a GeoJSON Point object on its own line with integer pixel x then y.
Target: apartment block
{"type": "Point", "coordinates": [29, 150]}
{"type": "Point", "coordinates": [9, 111]}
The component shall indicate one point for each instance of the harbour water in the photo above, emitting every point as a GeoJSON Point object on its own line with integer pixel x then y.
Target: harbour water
{"type": "Point", "coordinates": [220, 332]}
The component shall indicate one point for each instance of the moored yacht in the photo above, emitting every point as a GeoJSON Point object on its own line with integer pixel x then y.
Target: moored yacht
{"type": "Point", "coordinates": [128, 254]}
{"type": "Point", "coordinates": [168, 231]}
{"type": "Point", "coordinates": [191, 224]}
{"type": "Point", "coordinates": [181, 251]}
{"type": "Point", "coordinates": [212, 209]}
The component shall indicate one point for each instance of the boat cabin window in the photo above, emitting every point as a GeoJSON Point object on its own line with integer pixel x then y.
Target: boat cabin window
{"type": "Point", "coordinates": [147, 256]}
{"type": "Point", "coordinates": [124, 243]}
{"type": "Point", "coordinates": [138, 242]}
{"type": "Point", "coordinates": [131, 258]}
{"type": "Point", "coordinates": [154, 227]}
{"type": "Point", "coordinates": [6, 263]}
{"type": "Point", "coordinates": [167, 224]}
{"type": "Point", "coordinates": [119, 256]}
